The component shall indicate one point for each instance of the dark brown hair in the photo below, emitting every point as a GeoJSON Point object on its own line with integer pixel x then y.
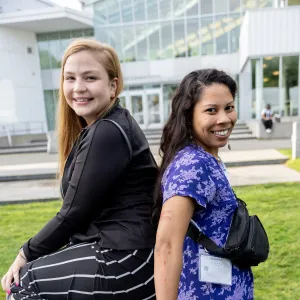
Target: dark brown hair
{"type": "Point", "coordinates": [177, 131]}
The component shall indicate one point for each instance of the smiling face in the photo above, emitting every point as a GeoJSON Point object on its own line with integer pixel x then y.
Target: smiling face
{"type": "Point", "coordinates": [87, 87]}
{"type": "Point", "coordinates": [214, 117]}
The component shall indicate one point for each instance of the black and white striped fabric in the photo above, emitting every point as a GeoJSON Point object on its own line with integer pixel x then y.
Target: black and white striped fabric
{"type": "Point", "coordinates": [87, 271]}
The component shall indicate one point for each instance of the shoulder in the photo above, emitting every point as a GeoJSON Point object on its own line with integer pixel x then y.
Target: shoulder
{"type": "Point", "coordinates": [192, 159]}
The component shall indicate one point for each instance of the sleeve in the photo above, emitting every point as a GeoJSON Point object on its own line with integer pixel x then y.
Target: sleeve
{"type": "Point", "coordinates": [189, 180]}
{"type": "Point", "coordinates": [99, 162]}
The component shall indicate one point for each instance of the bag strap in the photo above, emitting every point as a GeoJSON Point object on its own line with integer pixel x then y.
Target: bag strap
{"type": "Point", "coordinates": [124, 135]}
{"type": "Point", "coordinates": [200, 238]}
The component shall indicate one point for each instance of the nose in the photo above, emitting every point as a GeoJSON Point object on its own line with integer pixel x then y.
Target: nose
{"type": "Point", "coordinates": [223, 118]}
{"type": "Point", "coordinates": [79, 87]}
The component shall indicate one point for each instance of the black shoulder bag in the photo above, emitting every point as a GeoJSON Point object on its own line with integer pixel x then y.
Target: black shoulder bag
{"type": "Point", "coordinates": [247, 243]}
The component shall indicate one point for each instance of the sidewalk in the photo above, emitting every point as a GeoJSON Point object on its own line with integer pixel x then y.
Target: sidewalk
{"type": "Point", "coordinates": [45, 190]}
{"type": "Point", "coordinates": [39, 167]}
{"type": "Point", "coordinates": [249, 163]}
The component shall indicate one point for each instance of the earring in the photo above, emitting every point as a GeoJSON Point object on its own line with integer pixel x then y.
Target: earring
{"type": "Point", "coordinates": [228, 145]}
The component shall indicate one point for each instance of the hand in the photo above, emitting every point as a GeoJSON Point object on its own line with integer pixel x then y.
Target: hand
{"type": "Point", "coordinates": [13, 272]}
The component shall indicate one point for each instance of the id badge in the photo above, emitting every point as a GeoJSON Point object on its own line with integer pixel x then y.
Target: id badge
{"type": "Point", "coordinates": [215, 269]}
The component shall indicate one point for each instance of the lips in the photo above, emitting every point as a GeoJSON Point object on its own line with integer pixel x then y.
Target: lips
{"type": "Point", "coordinates": [222, 133]}
{"type": "Point", "coordinates": [82, 100]}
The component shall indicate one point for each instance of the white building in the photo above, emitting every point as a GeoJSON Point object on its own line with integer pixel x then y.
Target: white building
{"type": "Point", "coordinates": [158, 42]}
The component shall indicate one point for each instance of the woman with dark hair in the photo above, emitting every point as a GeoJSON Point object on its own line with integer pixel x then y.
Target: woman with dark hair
{"type": "Point", "coordinates": [193, 187]}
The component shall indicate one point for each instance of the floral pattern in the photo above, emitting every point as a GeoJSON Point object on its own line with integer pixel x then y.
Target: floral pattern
{"type": "Point", "coordinates": [197, 174]}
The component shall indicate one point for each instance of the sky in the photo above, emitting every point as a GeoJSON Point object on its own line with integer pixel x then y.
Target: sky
{"type": "Point", "coordinates": [68, 3]}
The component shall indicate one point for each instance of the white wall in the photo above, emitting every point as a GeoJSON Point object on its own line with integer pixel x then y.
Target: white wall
{"type": "Point", "coordinates": [160, 71]}
{"type": "Point", "coordinates": [20, 75]}
{"type": "Point", "coordinates": [16, 5]}
{"type": "Point", "coordinates": [270, 32]}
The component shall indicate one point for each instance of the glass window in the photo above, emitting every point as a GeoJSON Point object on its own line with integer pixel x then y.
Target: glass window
{"type": "Point", "coordinates": [253, 102]}
{"type": "Point", "coordinates": [235, 5]}
{"type": "Point", "coordinates": [113, 11]}
{"type": "Point", "coordinates": [114, 36]}
{"type": "Point", "coordinates": [77, 33]}
{"type": "Point", "coordinates": [206, 36]}
{"type": "Point", "coordinates": [141, 38]}
{"type": "Point", "coordinates": [88, 32]}
{"type": "Point", "coordinates": [139, 10]}
{"type": "Point", "coordinates": [248, 4]}
{"type": "Point", "coordinates": [100, 13]}
{"type": "Point", "coordinates": [165, 9]}
{"type": "Point", "coordinates": [221, 35]}
{"type": "Point", "coordinates": [168, 92]}
{"type": "Point", "coordinates": [265, 3]}
{"type": "Point", "coordinates": [126, 8]}
{"type": "Point", "coordinates": [129, 41]}
{"type": "Point", "coordinates": [152, 9]}
{"type": "Point", "coordinates": [192, 8]}
{"type": "Point", "coordinates": [54, 50]}
{"type": "Point", "coordinates": [50, 98]}
{"type": "Point", "coordinates": [154, 47]}
{"type": "Point", "coordinates": [178, 8]}
{"type": "Point", "coordinates": [137, 108]}
{"type": "Point", "coordinates": [290, 82]}
{"type": "Point", "coordinates": [192, 38]}
{"type": "Point", "coordinates": [41, 37]}
{"type": "Point", "coordinates": [102, 34]}
{"type": "Point", "coordinates": [179, 39]}
{"type": "Point", "coordinates": [271, 83]}
{"type": "Point", "coordinates": [166, 38]}
{"type": "Point", "coordinates": [44, 55]}
{"type": "Point", "coordinates": [65, 40]}
{"type": "Point", "coordinates": [220, 6]}
{"type": "Point", "coordinates": [206, 7]}
{"type": "Point", "coordinates": [233, 26]}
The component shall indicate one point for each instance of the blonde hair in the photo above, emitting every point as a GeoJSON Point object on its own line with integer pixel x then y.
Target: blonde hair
{"type": "Point", "coordinates": [69, 124]}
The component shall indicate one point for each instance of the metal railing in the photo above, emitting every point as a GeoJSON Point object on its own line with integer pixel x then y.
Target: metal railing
{"type": "Point", "coordinates": [22, 128]}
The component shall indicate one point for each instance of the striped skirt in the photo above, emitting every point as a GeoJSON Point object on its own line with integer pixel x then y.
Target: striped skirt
{"type": "Point", "coordinates": [87, 271]}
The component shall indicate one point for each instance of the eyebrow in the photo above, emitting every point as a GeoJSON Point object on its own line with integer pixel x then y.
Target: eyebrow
{"type": "Point", "coordinates": [215, 105]}
{"type": "Point", "coordinates": [83, 73]}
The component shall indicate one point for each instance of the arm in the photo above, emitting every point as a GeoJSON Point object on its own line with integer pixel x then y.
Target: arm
{"type": "Point", "coordinates": [173, 224]}
{"type": "Point", "coordinates": [102, 157]}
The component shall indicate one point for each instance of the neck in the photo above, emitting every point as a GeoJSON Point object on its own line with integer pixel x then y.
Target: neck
{"type": "Point", "coordinates": [213, 151]}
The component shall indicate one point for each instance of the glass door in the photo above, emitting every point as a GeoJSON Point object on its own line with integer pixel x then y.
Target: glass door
{"type": "Point", "coordinates": [154, 109]}
{"type": "Point", "coordinates": [146, 106]}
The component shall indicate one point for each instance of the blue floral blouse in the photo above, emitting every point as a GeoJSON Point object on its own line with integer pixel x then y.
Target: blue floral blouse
{"type": "Point", "coordinates": [197, 174]}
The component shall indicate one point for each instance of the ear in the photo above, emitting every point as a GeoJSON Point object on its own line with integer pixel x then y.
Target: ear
{"type": "Point", "coordinates": [113, 87]}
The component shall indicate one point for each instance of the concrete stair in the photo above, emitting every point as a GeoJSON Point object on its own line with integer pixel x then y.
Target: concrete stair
{"type": "Point", "coordinates": [240, 132]}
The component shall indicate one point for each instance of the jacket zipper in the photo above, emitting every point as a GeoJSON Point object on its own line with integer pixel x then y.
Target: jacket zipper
{"type": "Point", "coordinates": [75, 145]}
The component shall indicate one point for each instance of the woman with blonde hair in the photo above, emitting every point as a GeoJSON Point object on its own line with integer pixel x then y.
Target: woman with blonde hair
{"type": "Point", "coordinates": [100, 244]}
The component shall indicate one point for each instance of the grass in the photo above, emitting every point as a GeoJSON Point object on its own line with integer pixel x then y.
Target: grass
{"type": "Point", "coordinates": [277, 205]}
{"type": "Point", "coordinates": [293, 164]}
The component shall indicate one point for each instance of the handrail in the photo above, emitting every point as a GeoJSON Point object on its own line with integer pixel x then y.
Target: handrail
{"type": "Point", "coordinates": [21, 128]}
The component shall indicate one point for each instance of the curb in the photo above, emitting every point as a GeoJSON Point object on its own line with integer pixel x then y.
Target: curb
{"type": "Point", "coordinates": [26, 177]}
{"type": "Point", "coordinates": [8, 202]}
{"type": "Point", "coordinates": [278, 161]}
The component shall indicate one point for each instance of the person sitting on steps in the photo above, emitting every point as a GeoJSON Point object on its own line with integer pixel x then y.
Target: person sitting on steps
{"type": "Point", "coordinates": [267, 118]}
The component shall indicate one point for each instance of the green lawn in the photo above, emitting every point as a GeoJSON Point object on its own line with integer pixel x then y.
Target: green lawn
{"type": "Point", "coordinates": [293, 164]}
{"type": "Point", "coordinates": [277, 205]}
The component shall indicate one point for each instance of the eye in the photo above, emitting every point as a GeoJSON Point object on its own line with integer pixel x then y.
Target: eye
{"type": "Point", "coordinates": [90, 78]}
{"type": "Point", "coordinates": [69, 78]}
{"type": "Point", "coordinates": [211, 110]}
{"type": "Point", "coordinates": [229, 107]}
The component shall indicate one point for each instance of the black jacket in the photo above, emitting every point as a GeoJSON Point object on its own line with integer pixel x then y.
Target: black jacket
{"type": "Point", "coordinates": [106, 197]}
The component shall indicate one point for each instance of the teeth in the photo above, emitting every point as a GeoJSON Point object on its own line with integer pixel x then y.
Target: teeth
{"type": "Point", "coordinates": [223, 132]}
{"type": "Point", "coordinates": [82, 100]}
